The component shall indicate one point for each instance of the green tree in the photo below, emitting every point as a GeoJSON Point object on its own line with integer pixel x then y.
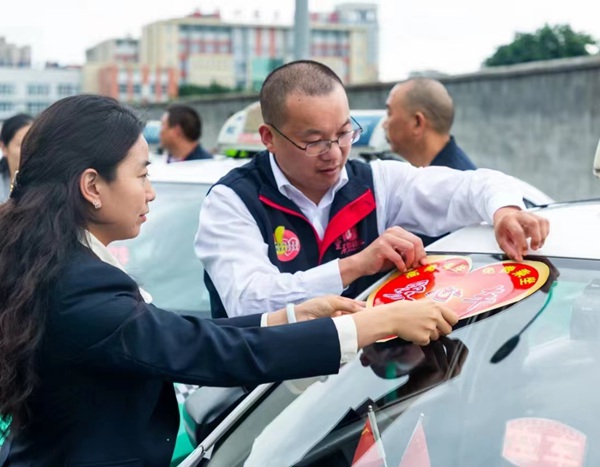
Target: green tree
{"type": "Point", "coordinates": [213, 88]}
{"type": "Point", "coordinates": [546, 43]}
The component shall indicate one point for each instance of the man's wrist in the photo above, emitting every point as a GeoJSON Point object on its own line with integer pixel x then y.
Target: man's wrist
{"type": "Point", "coordinates": [349, 270]}
{"type": "Point", "coordinates": [503, 211]}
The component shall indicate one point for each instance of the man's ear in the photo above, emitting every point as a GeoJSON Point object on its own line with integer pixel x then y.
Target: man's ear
{"type": "Point", "coordinates": [178, 130]}
{"type": "Point", "coordinates": [89, 185]}
{"type": "Point", "coordinates": [266, 136]}
{"type": "Point", "coordinates": [419, 122]}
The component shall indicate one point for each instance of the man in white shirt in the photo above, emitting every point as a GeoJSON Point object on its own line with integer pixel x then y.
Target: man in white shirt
{"type": "Point", "coordinates": [301, 220]}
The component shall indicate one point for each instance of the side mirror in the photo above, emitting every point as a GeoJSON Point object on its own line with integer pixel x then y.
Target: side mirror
{"type": "Point", "coordinates": [597, 161]}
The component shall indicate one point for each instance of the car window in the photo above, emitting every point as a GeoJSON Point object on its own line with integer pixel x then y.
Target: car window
{"type": "Point", "coordinates": [447, 402]}
{"type": "Point", "coordinates": [162, 257]}
{"type": "Point", "coordinates": [151, 132]}
{"type": "Point", "coordinates": [368, 124]}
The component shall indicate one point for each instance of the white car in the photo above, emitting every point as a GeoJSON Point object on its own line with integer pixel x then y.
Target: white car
{"type": "Point", "coordinates": [513, 386]}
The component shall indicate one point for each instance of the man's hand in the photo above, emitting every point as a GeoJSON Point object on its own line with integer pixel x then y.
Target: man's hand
{"type": "Point", "coordinates": [327, 306]}
{"type": "Point", "coordinates": [394, 247]}
{"type": "Point", "coordinates": [513, 227]}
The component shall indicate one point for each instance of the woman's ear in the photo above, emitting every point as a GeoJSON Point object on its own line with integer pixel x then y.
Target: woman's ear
{"type": "Point", "coordinates": [89, 187]}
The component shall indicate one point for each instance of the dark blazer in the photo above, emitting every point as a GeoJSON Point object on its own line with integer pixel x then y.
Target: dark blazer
{"type": "Point", "coordinates": [108, 362]}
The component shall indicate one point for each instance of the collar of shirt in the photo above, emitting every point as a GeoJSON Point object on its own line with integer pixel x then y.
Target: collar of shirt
{"type": "Point", "coordinates": [318, 215]}
{"type": "Point", "coordinates": [102, 252]}
{"type": "Point", "coordinates": [290, 191]}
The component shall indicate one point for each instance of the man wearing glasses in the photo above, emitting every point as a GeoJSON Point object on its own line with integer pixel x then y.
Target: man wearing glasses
{"type": "Point", "coordinates": [301, 220]}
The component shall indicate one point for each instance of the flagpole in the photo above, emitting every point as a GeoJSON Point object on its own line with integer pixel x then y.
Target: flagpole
{"type": "Point", "coordinates": [376, 435]}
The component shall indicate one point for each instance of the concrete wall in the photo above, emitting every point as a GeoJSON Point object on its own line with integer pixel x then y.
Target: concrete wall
{"type": "Point", "coordinates": [539, 122]}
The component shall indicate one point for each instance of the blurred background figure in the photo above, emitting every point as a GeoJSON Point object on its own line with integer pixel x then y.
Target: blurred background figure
{"type": "Point", "coordinates": [12, 134]}
{"type": "Point", "coordinates": [420, 115]}
{"type": "Point", "coordinates": [180, 131]}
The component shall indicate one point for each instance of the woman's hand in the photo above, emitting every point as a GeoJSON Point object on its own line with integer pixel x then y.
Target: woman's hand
{"type": "Point", "coordinates": [327, 306]}
{"type": "Point", "coordinates": [420, 321]}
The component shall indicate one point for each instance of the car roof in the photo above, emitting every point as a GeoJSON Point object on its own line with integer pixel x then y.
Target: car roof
{"type": "Point", "coordinates": [207, 171]}
{"type": "Point", "coordinates": [574, 233]}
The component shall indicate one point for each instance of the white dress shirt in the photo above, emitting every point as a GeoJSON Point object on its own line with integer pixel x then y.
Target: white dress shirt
{"type": "Point", "coordinates": [429, 200]}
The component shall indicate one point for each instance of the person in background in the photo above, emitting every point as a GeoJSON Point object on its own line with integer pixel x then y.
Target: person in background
{"type": "Point", "coordinates": [180, 132]}
{"type": "Point", "coordinates": [87, 362]}
{"type": "Point", "coordinates": [12, 134]}
{"type": "Point", "coordinates": [420, 113]}
{"type": "Point", "coordinates": [302, 220]}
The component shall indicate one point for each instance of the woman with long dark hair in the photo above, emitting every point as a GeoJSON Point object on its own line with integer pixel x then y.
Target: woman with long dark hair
{"type": "Point", "coordinates": [86, 363]}
{"type": "Point", "coordinates": [11, 135]}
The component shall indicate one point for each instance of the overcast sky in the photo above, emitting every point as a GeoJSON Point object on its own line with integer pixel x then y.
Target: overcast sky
{"type": "Point", "coordinates": [449, 36]}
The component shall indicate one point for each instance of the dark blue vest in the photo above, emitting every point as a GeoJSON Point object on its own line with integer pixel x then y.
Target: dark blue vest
{"type": "Point", "coordinates": [293, 243]}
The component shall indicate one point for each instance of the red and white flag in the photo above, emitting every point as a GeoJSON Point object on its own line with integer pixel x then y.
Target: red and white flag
{"type": "Point", "coordinates": [369, 452]}
{"type": "Point", "coordinates": [416, 453]}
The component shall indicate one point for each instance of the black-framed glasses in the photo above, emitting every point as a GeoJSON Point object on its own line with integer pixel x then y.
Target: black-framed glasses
{"type": "Point", "coordinates": [324, 145]}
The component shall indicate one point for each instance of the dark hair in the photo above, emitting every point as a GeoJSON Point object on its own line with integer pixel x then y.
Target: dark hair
{"type": "Point", "coordinates": [7, 133]}
{"type": "Point", "coordinates": [305, 77]}
{"type": "Point", "coordinates": [430, 97]}
{"type": "Point", "coordinates": [12, 125]}
{"type": "Point", "coordinates": [43, 222]}
{"type": "Point", "coordinates": [187, 118]}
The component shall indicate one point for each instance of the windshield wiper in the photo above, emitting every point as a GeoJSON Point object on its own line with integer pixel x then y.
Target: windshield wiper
{"type": "Point", "coordinates": [506, 349]}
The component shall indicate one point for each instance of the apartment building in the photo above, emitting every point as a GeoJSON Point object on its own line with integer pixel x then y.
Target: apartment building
{"type": "Point", "coordinates": [32, 90]}
{"type": "Point", "coordinates": [15, 56]}
{"type": "Point", "coordinates": [113, 69]}
{"type": "Point", "coordinates": [204, 49]}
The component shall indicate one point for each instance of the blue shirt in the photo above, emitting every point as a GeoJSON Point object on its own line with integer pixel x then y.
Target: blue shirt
{"type": "Point", "coordinates": [197, 153]}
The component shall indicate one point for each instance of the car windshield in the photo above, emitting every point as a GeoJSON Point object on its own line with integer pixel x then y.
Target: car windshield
{"type": "Point", "coordinates": [161, 259]}
{"type": "Point", "coordinates": [447, 404]}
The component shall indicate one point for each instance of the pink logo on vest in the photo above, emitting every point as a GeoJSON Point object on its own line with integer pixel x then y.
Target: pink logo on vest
{"type": "Point", "coordinates": [287, 244]}
{"type": "Point", "coordinates": [349, 242]}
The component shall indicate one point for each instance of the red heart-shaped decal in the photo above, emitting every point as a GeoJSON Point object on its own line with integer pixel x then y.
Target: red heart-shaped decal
{"type": "Point", "coordinates": [448, 279]}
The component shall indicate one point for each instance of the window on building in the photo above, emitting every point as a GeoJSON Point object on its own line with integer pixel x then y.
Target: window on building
{"type": "Point", "coordinates": [38, 89]}
{"type": "Point", "coordinates": [6, 106]}
{"type": "Point", "coordinates": [35, 108]}
{"type": "Point", "coordinates": [67, 89]}
{"type": "Point", "coordinates": [137, 88]}
{"type": "Point", "coordinates": [7, 88]}
{"type": "Point", "coordinates": [122, 89]}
